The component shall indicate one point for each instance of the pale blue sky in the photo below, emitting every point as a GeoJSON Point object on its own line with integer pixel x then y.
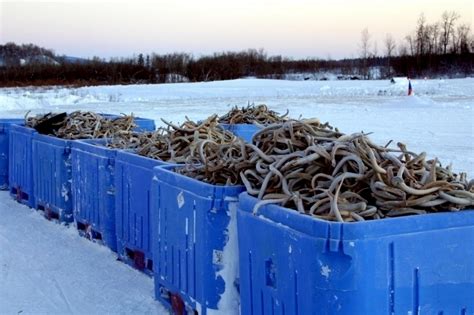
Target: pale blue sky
{"type": "Point", "coordinates": [300, 28]}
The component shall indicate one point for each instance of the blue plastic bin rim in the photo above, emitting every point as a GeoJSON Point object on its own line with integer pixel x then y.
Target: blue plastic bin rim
{"type": "Point", "coordinates": [12, 121]}
{"type": "Point", "coordinates": [144, 124]}
{"type": "Point", "coordinates": [96, 143]}
{"type": "Point", "coordinates": [167, 174]}
{"type": "Point", "coordinates": [99, 141]}
{"type": "Point", "coordinates": [138, 160]}
{"type": "Point", "coordinates": [64, 141]}
{"type": "Point", "coordinates": [22, 128]}
{"type": "Point", "coordinates": [356, 230]}
{"type": "Point", "coordinates": [94, 146]}
{"type": "Point", "coordinates": [241, 125]}
{"type": "Point", "coordinates": [5, 123]}
{"type": "Point", "coordinates": [113, 116]}
{"type": "Point", "coordinates": [52, 139]}
{"type": "Point", "coordinates": [60, 141]}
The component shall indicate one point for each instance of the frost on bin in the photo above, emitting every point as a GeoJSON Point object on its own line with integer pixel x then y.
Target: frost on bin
{"type": "Point", "coordinates": [5, 125]}
{"type": "Point", "coordinates": [294, 264]}
{"type": "Point", "coordinates": [133, 177]}
{"type": "Point", "coordinates": [20, 166]}
{"type": "Point", "coordinates": [195, 243]}
{"type": "Point", "coordinates": [244, 131]}
{"type": "Point", "coordinates": [93, 190]}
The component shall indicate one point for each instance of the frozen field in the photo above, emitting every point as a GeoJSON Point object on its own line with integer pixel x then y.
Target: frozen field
{"type": "Point", "coordinates": [438, 119]}
{"type": "Point", "coordinates": [47, 268]}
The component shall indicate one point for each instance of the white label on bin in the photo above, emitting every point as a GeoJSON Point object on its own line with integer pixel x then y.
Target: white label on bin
{"type": "Point", "coordinates": [217, 257]}
{"type": "Point", "coordinates": [180, 200]}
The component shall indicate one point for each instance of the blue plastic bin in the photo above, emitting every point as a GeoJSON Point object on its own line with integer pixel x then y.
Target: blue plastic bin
{"type": "Point", "coordinates": [244, 131]}
{"type": "Point", "coordinates": [93, 190]}
{"type": "Point", "coordinates": [295, 264]}
{"type": "Point", "coordinates": [4, 149]}
{"type": "Point", "coordinates": [52, 177]}
{"type": "Point", "coordinates": [143, 124]}
{"type": "Point", "coordinates": [133, 178]}
{"type": "Point", "coordinates": [195, 243]}
{"type": "Point", "coordinates": [52, 174]}
{"type": "Point", "coordinates": [20, 165]}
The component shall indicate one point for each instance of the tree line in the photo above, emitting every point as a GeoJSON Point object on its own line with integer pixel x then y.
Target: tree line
{"type": "Point", "coordinates": [154, 68]}
{"type": "Point", "coordinates": [442, 48]}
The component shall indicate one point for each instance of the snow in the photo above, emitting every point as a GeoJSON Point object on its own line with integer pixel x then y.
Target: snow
{"type": "Point", "coordinates": [47, 268]}
{"type": "Point", "coordinates": [229, 300]}
{"type": "Point", "coordinates": [438, 119]}
{"type": "Point", "coordinates": [325, 271]}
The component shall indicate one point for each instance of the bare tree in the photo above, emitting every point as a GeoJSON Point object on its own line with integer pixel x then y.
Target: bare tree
{"type": "Point", "coordinates": [462, 36]}
{"type": "Point", "coordinates": [447, 27]}
{"type": "Point", "coordinates": [389, 50]}
{"type": "Point", "coordinates": [420, 35]}
{"type": "Point", "coordinates": [365, 51]}
{"type": "Point", "coordinates": [402, 49]}
{"type": "Point", "coordinates": [411, 44]}
{"type": "Point", "coordinates": [365, 43]}
{"type": "Point", "coordinates": [389, 45]}
{"type": "Point", "coordinates": [432, 32]}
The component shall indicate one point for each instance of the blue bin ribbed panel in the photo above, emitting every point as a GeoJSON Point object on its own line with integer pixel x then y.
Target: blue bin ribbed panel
{"type": "Point", "coordinates": [52, 175]}
{"type": "Point", "coordinates": [4, 149]}
{"type": "Point", "coordinates": [244, 131]}
{"type": "Point", "coordinates": [20, 164]}
{"type": "Point", "coordinates": [93, 190]}
{"type": "Point", "coordinates": [133, 177]}
{"type": "Point", "coordinates": [294, 264]}
{"type": "Point", "coordinates": [193, 239]}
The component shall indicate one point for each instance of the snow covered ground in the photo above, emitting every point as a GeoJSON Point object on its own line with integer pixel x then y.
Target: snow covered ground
{"type": "Point", "coordinates": [47, 268]}
{"type": "Point", "coordinates": [438, 119]}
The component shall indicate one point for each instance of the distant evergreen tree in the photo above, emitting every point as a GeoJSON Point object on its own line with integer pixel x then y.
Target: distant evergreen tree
{"type": "Point", "coordinates": [141, 61]}
{"type": "Point", "coordinates": [147, 62]}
